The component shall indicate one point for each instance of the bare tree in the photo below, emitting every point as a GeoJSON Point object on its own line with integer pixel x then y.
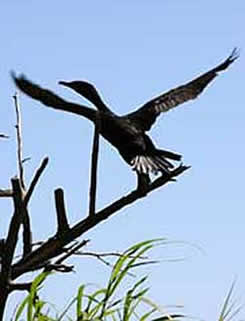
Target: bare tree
{"type": "Point", "coordinates": [50, 254]}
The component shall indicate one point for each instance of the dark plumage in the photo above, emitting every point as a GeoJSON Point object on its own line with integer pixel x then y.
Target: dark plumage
{"type": "Point", "coordinates": [128, 133]}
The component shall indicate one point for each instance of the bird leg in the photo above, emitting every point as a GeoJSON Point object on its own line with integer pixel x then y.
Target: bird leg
{"type": "Point", "coordinates": [143, 182]}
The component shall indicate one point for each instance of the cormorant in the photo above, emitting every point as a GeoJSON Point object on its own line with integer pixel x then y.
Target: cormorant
{"type": "Point", "coordinates": [128, 133]}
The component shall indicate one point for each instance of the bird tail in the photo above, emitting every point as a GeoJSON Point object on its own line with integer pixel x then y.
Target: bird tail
{"type": "Point", "coordinates": [168, 154]}
{"type": "Point", "coordinates": [154, 164]}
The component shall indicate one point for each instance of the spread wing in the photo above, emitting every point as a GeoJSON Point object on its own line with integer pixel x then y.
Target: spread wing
{"type": "Point", "coordinates": [50, 99]}
{"type": "Point", "coordinates": [145, 116]}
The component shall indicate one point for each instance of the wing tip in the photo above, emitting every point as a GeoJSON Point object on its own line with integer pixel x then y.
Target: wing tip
{"type": "Point", "coordinates": [18, 80]}
{"type": "Point", "coordinates": [235, 54]}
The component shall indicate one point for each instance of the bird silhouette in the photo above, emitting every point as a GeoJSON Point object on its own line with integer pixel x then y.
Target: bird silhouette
{"type": "Point", "coordinates": [128, 133]}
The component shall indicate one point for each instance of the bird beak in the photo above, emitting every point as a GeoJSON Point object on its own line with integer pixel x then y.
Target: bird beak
{"type": "Point", "coordinates": [63, 83]}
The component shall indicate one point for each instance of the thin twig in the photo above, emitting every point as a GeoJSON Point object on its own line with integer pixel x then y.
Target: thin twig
{"type": "Point", "coordinates": [108, 254]}
{"type": "Point", "coordinates": [61, 212]}
{"type": "Point", "coordinates": [26, 159]}
{"type": "Point", "coordinates": [101, 256]}
{"type": "Point", "coordinates": [58, 266]}
{"type": "Point", "coordinates": [19, 140]}
{"type": "Point", "coordinates": [4, 136]}
{"type": "Point", "coordinates": [162, 180]}
{"type": "Point", "coordinates": [73, 250]}
{"type": "Point", "coordinates": [27, 237]}
{"type": "Point", "coordinates": [94, 166]}
{"type": "Point", "coordinates": [35, 180]}
{"type": "Point", "coordinates": [101, 259]}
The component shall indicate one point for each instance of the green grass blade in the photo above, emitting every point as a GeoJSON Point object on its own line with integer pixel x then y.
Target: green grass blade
{"type": "Point", "coordinates": [235, 313]}
{"type": "Point", "coordinates": [63, 314]}
{"type": "Point", "coordinates": [79, 299]}
{"type": "Point", "coordinates": [21, 308]}
{"type": "Point", "coordinates": [146, 316]}
{"type": "Point", "coordinates": [144, 243]}
{"type": "Point", "coordinates": [122, 273]}
{"type": "Point", "coordinates": [92, 298]}
{"type": "Point", "coordinates": [225, 308]}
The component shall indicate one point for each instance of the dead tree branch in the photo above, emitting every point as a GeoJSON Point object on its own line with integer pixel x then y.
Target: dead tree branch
{"type": "Point", "coordinates": [72, 251]}
{"type": "Point", "coordinates": [27, 238]}
{"type": "Point", "coordinates": [54, 246]}
{"type": "Point", "coordinates": [35, 180]}
{"type": "Point", "coordinates": [14, 227]}
{"type": "Point", "coordinates": [20, 286]}
{"type": "Point", "coordinates": [102, 257]}
{"type": "Point", "coordinates": [6, 193]}
{"type": "Point", "coordinates": [94, 166]}
{"type": "Point", "coordinates": [4, 136]}
{"type": "Point", "coordinates": [10, 244]}
{"type": "Point", "coordinates": [106, 254]}
{"type": "Point", "coordinates": [62, 221]}
{"type": "Point", "coordinates": [27, 235]}
{"type": "Point", "coordinates": [19, 140]}
{"type": "Point", "coordinates": [59, 268]}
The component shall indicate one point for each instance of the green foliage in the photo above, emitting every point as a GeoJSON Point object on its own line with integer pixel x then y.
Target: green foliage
{"type": "Point", "coordinates": [32, 304]}
{"type": "Point", "coordinates": [102, 304]}
{"type": "Point", "coordinates": [229, 309]}
{"type": "Point", "coordinates": [106, 303]}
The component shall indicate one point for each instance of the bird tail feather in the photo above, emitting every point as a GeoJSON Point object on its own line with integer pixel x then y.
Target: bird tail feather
{"type": "Point", "coordinates": [151, 164]}
{"type": "Point", "coordinates": [168, 154]}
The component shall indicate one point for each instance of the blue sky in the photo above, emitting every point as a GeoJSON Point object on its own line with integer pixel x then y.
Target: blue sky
{"type": "Point", "coordinates": [133, 51]}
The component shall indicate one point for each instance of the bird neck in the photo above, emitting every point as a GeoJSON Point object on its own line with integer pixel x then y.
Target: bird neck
{"type": "Point", "coordinates": [77, 109]}
{"type": "Point", "coordinates": [97, 101]}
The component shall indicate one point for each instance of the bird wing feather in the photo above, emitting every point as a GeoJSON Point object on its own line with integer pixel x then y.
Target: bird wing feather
{"type": "Point", "coordinates": [145, 116]}
{"type": "Point", "coordinates": [50, 99]}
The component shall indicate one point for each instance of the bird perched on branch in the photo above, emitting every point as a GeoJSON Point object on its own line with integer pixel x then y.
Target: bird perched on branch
{"type": "Point", "coordinates": [128, 133]}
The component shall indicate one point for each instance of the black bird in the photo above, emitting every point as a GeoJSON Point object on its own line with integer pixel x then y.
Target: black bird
{"type": "Point", "coordinates": [128, 133]}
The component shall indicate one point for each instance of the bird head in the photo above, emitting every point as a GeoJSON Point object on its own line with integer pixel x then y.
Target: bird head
{"type": "Point", "coordinates": [83, 88]}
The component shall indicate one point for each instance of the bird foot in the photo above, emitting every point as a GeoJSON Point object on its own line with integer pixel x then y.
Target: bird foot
{"type": "Point", "coordinates": [143, 183]}
{"type": "Point", "coordinates": [142, 189]}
